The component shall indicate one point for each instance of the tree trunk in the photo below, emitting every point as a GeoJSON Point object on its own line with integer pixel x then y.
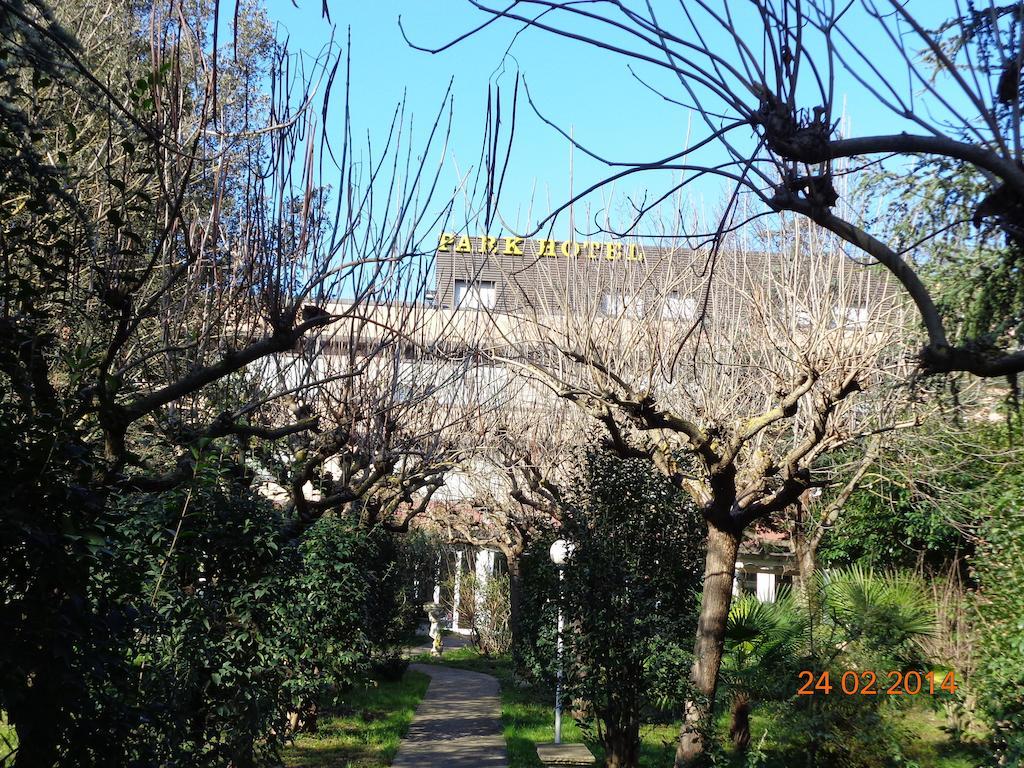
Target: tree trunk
{"type": "Point", "coordinates": [739, 728]}
{"type": "Point", "coordinates": [805, 551]}
{"type": "Point", "coordinates": [622, 746]}
{"type": "Point", "coordinates": [806, 561]}
{"type": "Point", "coordinates": [719, 572]}
{"type": "Point", "coordinates": [515, 596]}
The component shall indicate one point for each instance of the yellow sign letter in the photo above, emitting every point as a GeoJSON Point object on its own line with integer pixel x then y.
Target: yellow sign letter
{"type": "Point", "coordinates": [512, 246]}
{"type": "Point", "coordinates": [635, 253]}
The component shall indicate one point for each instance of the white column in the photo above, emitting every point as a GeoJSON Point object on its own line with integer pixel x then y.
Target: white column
{"type": "Point", "coordinates": [766, 587]}
{"type": "Point", "coordinates": [484, 569]}
{"type": "Point", "coordinates": [456, 592]}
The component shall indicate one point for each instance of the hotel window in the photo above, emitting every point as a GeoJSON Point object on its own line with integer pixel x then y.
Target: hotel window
{"type": "Point", "coordinates": [852, 315]}
{"type": "Point", "coordinates": [612, 303]}
{"type": "Point", "coordinates": [475, 294]}
{"type": "Point", "coordinates": [679, 307]}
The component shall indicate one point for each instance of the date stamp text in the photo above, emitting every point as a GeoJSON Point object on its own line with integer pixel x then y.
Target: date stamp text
{"type": "Point", "coordinates": [867, 683]}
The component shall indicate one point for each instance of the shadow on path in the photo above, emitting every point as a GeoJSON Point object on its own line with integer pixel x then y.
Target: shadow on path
{"type": "Point", "coordinates": [457, 724]}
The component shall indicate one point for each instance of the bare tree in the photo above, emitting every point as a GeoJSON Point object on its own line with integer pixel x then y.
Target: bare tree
{"type": "Point", "coordinates": [768, 83]}
{"type": "Point", "coordinates": [508, 492]}
{"type": "Point", "coordinates": [735, 381]}
{"type": "Point", "coordinates": [173, 251]}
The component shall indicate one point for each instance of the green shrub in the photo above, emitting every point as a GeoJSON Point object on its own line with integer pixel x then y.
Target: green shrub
{"type": "Point", "coordinates": [629, 597]}
{"type": "Point", "coordinates": [999, 569]}
{"type": "Point", "coordinates": [326, 609]}
{"type": "Point", "coordinates": [236, 634]}
{"type": "Point", "coordinates": [854, 620]}
{"type": "Point", "coordinates": [398, 570]}
{"type": "Point", "coordinates": [207, 575]}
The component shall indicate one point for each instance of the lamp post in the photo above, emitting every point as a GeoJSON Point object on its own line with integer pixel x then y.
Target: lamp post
{"type": "Point", "coordinates": [559, 552]}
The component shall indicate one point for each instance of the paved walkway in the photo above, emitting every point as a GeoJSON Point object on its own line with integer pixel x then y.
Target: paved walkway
{"type": "Point", "coordinates": [458, 723]}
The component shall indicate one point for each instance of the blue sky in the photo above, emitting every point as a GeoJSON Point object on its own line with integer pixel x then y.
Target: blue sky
{"type": "Point", "coordinates": [575, 85]}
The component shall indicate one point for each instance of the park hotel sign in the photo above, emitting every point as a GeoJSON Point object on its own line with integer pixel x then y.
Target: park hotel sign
{"type": "Point", "coordinates": [513, 246]}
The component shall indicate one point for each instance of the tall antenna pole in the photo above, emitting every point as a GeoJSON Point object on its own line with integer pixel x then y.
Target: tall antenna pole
{"type": "Point", "coordinates": [572, 145]}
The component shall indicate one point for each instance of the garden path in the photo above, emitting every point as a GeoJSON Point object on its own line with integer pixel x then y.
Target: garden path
{"type": "Point", "coordinates": [457, 724]}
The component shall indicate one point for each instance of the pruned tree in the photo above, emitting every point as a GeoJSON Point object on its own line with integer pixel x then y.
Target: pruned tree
{"type": "Point", "coordinates": [509, 488]}
{"type": "Point", "coordinates": [735, 381]}
{"type": "Point", "coordinates": [768, 84]}
{"type": "Point", "coordinates": [173, 251]}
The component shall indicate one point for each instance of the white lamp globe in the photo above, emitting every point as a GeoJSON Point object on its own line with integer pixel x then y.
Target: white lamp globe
{"type": "Point", "coordinates": [560, 551]}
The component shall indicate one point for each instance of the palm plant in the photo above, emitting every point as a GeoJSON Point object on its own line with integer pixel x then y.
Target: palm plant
{"type": "Point", "coordinates": [847, 619]}
{"type": "Point", "coordinates": [883, 615]}
{"type": "Point", "coordinates": [762, 646]}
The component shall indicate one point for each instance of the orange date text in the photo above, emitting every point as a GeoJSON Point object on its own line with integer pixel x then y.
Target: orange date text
{"type": "Point", "coordinates": [868, 683]}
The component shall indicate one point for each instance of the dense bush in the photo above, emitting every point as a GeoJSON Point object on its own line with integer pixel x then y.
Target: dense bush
{"type": "Point", "coordinates": [893, 524]}
{"type": "Point", "coordinates": [974, 483]}
{"type": "Point", "coordinates": [533, 652]}
{"type": "Point", "coordinates": [629, 597]}
{"type": "Point", "coordinates": [213, 626]}
{"type": "Point", "coordinates": [207, 571]}
{"type": "Point", "coordinates": [912, 511]}
{"type": "Point", "coordinates": [327, 603]}
{"type": "Point", "coordinates": [399, 572]}
{"type": "Point", "coordinates": [1000, 613]}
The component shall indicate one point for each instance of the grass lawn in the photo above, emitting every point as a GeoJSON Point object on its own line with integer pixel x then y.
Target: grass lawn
{"type": "Point", "coordinates": [934, 748]}
{"type": "Point", "coordinates": [366, 730]}
{"type": "Point", "coordinates": [528, 719]}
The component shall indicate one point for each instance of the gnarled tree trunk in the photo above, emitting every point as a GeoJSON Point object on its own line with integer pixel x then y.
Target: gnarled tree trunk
{"type": "Point", "coordinates": [719, 572]}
